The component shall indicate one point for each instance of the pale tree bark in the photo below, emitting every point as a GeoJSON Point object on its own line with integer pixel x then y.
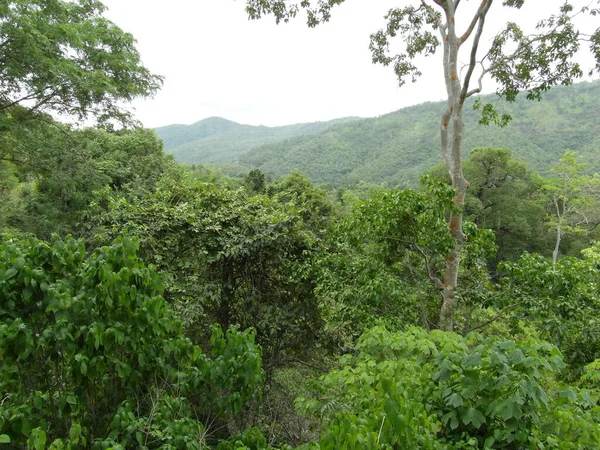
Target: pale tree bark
{"type": "Point", "coordinates": [559, 230]}
{"type": "Point", "coordinates": [451, 136]}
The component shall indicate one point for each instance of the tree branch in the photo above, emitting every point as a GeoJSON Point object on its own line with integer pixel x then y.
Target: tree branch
{"type": "Point", "coordinates": [481, 14]}
{"type": "Point", "coordinates": [493, 319]}
{"type": "Point", "coordinates": [436, 281]}
{"type": "Point", "coordinates": [16, 102]}
{"type": "Point", "coordinates": [479, 87]}
{"type": "Point", "coordinates": [476, 17]}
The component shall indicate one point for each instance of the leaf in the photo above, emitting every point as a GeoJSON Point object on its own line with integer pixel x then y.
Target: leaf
{"type": "Point", "coordinates": [474, 417]}
{"type": "Point", "coordinates": [75, 432]}
{"type": "Point", "coordinates": [389, 386]}
{"type": "Point", "coordinates": [455, 400]}
{"type": "Point", "coordinates": [489, 442]}
{"type": "Point", "coordinates": [4, 439]}
{"type": "Point", "coordinates": [393, 413]}
{"type": "Point", "coordinates": [516, 356]}
{"type": "Point", "coordinates": [37, 439]}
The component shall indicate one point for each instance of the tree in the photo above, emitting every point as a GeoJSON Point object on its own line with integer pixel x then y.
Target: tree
{"type": "Point", "coordinates": [63, 172]}
{"type": "Point", "coordinates": [561, 300]}
{"type": "Point", "coordinates": [381, 262]}
{"type": "Point", "coordinates": [571, 208]}
{"type": "Point", "coordinates": [255, 181]}
{"type": "Point", "coordinates": [496, 179]}
{"type": "Point", "coordinates": [64, 57]}
{"type": "Point", "coordinates": [514, 60]}
{"type": "Point", "coordinates": [226, 258]}
{"type": "Point", "coordinates": [297, 190]}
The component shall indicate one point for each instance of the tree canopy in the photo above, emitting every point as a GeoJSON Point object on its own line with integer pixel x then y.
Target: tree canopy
{"type": "Point", "coordinates": [65, 57]}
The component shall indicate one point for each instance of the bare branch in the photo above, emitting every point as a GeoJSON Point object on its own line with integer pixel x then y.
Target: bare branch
{"type": "Point", "coordinates": [16, 102]}
{"type": "Point", "coordinates": [481, 14]}
{"type": "Point", "coordinates": [485, 4]}
{"type": "Point", "coordinates": [479, 87]}
{"type": "Point", "coordinates": [44, 100]}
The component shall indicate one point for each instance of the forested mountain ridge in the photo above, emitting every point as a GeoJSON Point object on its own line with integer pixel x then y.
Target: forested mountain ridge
{"type": "Point", "coordinates": [215, 139]}
{"type": "Point", "coordinates": [399, 146]}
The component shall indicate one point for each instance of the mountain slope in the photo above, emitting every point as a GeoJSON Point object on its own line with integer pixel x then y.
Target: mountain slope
{"type": "Point", "coordinates": [399, 146]}
{"type": "Point", "coordinates": [176, 135]}
{"type": "Point", "coordinates": [219, 140]}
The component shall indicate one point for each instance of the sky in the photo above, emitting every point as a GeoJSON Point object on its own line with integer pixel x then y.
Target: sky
{"type": "Point", "coordinates": [216, 62]}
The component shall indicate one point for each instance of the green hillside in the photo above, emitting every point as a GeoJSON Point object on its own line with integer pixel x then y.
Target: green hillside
{"type": "Point", "coordinates": [399, 146]}
{"type": "Point", "coordinates": [215, 139]}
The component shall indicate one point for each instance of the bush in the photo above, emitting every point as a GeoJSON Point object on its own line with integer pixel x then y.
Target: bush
{"type": "Point", "coordinates": [92, 356]}
{"type": "Point", "coordinates": [442, 391]}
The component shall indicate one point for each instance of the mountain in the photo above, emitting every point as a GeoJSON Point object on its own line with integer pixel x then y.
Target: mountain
{"type": "Point", "coordinates": [175, 135]}
{"type": "Point", "coordinates": [215, 139]}
{"type": "Point", "coordinates": [398, 147]}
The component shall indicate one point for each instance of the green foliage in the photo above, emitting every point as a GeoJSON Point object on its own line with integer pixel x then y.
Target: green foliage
{"type": "Point", "coordinates": [496, 179]}
{"type": "Point", "coordinates": [67, 169]}
{"type": "Point", "coordinates": [255, 181]}
{"type": "Point", "coordinates": [223, 175]}
{"type": "Point", "coordinates": [298, 191]}
{"type": "Point", "coordinates": [563, 301]}
{"type": "Point", "coordinates": [538, 62]}
{"type": "Point", "coordinates": [250, 439]}
{"type": "Point", "coordinates": [64, 56]}
{"type": "Point", "coordinates": [591, 374]}
{"type": "Point", "coordinates": [382, 262]}
{"type": "Point", "coordinates": [226, 258]}
{"type": "Point", "coordinates": [573, 205]}
{"type": "Point", "coordinates": [316, 12]}
{"type": "Point", "coordinates": [417, 390]}
{"type": "Point", "coordinates": [92, 356]}
{"type": "Point", "coordinates": [400, 146]}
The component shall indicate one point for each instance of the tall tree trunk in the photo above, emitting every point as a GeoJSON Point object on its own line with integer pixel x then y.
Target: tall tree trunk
{"type": "Point", "coordinates": [557, 245]}
{"type": "Point", "coordinates": [451, 144]}
{"type": "Point", "coordinates": [559, 231]}
{"type": "Point", "coordinates": [451, 134]}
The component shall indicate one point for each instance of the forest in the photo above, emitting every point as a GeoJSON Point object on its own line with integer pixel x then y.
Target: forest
{"type": "Point", "coordinates": [397, 147]}
{"type": "Point", "coordinates": [149, 304]}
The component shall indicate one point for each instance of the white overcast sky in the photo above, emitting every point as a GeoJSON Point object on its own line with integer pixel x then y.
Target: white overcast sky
{"type": "Point", "coordinates": [218, 63]}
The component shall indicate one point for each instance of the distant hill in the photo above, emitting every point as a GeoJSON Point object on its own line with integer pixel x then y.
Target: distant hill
{"type": "Point", "coordinates": [400, 146]}
{"type": "Point", "coordinates": [216, 140]}
{"type": "Point", "coordinates": [397, 147]}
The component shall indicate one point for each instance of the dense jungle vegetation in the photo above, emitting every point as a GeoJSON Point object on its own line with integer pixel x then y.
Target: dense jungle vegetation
{"type": "Point", "coordinates": [146, 304]}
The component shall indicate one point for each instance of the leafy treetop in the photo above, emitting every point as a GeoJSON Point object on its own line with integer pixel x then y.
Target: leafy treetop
{"type": "Point", "coordinates": [64, 56]}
